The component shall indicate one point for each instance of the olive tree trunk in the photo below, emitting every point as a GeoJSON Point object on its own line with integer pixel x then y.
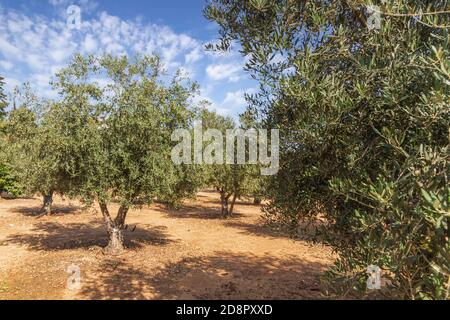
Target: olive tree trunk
{"type": "Point", "coordinates": [227, 207]}
{"type": "Point", "coordinates": [47, 203]}
{"type": "Point", "coordinates": [115, 229]}
{"type": "Point", "coordinates": [224, 203]}
{"type": "Point", "coordinates": [233, 201]}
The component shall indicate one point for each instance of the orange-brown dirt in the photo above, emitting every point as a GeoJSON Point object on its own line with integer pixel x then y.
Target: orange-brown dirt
{"type": "Point", "coordinates": [191, 253]}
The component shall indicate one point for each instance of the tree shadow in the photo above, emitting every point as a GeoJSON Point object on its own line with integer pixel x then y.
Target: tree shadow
{"type": "Point", "coordinates": [304, 231]}
{"type": "Point", "coordinates": [116, 280]}
{"type": "Point", "coordinates": [51, 236]}
{"type": "Point", "coordinates": [225, 275]}
{"type": "Point", "coordinates": [209, 191]}
{"type": "Point", "coordinates": [196, 212]}
{"type": "Point", "coordinates": [57, 210]}
{"type": "Point", "coordinates": [13, 198]}
{"type": "Point", "coordinates": [243, 201]}
{"type": "Point", "coordinates": [258, 229]}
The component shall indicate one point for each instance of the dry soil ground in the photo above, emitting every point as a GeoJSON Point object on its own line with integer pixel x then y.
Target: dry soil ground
{"type": "Point", "coordinates": [173, 254]}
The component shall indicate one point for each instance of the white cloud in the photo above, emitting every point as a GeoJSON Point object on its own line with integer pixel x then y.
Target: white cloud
{"type": "Point", "coordinates": [236, 99]}
{"type": "Point", "coordinates": [40, 45]}
{"type": "Point", "coordinates": [228, 71]}
{"type": "Point", "coordinates": [58, 2]}
{"type": "Point", "coordinates": [233, 104]}
{"type": "Point", "coordinates": [6, 65]}
{"type": "Point", "coordinates": [193, 56]}
{"type": "Point", "coordinates": [34, 47]}
{"type": "Point", "coordinates": [89, 44]}
{"type": "Point", "coordinates": [204, 96]}
{"type": "Point", "coordinates": [11, 83]}
{"type": "Point", "coordinates": [35, 61]}
{"type": "Point", "coordinates": [8, 49]}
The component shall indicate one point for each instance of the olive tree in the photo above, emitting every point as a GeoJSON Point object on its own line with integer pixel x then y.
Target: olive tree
{"type": "Point", "coordinates": [361, 100]}
{"type": "Point", "coordinates": [35, 148]}
{"type": "Point", "coordinates": [5, 178]}
{"type": "Point", "coordinates": [231, 180]}
{"type": "Point", "coordinates": [120, 133]}
{"type": "Point", "coordinates": [3, 101]}
{"type": "Point", "coordinates": [18, 129]}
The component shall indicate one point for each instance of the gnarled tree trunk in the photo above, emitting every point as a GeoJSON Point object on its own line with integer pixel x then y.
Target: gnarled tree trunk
{"type": "Point", "coordinates": [233, 201]}
{"type": "Point", "coordinates": [115, 229]}
{"type": "Point", "coordinates": [47, 203]}
{"type": "Point", "coordinates": [115, 244]}
{"type": "Point", "coordinates": [224, 203]}
{"type": "Point", "coordinates": [227, 207]}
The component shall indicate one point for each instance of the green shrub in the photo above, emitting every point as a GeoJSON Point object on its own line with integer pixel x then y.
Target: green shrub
{"type": "Point", "coordinates": [8, 183]}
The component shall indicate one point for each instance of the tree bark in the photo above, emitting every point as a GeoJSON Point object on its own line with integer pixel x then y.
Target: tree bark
{"type": "Point", "coordinates": [47, 203]}
{"type": "Point", "coordinates": [224, 203]}
{"type": "Point", "coordinates": [115, 229]}
{"type": "Point", "coordinates": [115, 245]}
{"type": "Point", "coordinates": [233, 201]}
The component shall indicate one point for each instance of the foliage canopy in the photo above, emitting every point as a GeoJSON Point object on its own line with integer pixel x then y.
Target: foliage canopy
{"type": "Point", "coordinates": [364, 121]}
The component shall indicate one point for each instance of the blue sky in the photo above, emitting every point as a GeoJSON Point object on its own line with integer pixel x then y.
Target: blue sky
{"type": "Point", "coordinates": [35, 41]}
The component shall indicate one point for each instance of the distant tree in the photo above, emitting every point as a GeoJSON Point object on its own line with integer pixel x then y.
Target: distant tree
{"type": "Point", "coordinates": [9, 186]}
{"type": "Point", "coordinates": [120, 135]}
{"type": "Point", "coordinates": [31, 139]}
{"type": "Point", "coordinates": [257, 183]}
{"type": "Point", "coordinates": [232, 181]}
{"type": "Point", "coordinates": [3, 100]}
{"type": "Point", "coordinates": [190, 178]}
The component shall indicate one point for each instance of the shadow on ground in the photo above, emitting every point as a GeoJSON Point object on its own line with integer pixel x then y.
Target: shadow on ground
{"type": "Point", "coordinates": [196, 212]}
{"type": "Point", "coordinates": [244, 201]}
{"type": "Point", "coordinates": [224, 275]}
{"type": "Point", "coordinates": [13, 198]}
{"type": "Point", "coordinates": [52, 236]}
{"type": "Point", "coordinates": [56, 210]}
{"type": "Point", "coordinates": [260, 229]}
